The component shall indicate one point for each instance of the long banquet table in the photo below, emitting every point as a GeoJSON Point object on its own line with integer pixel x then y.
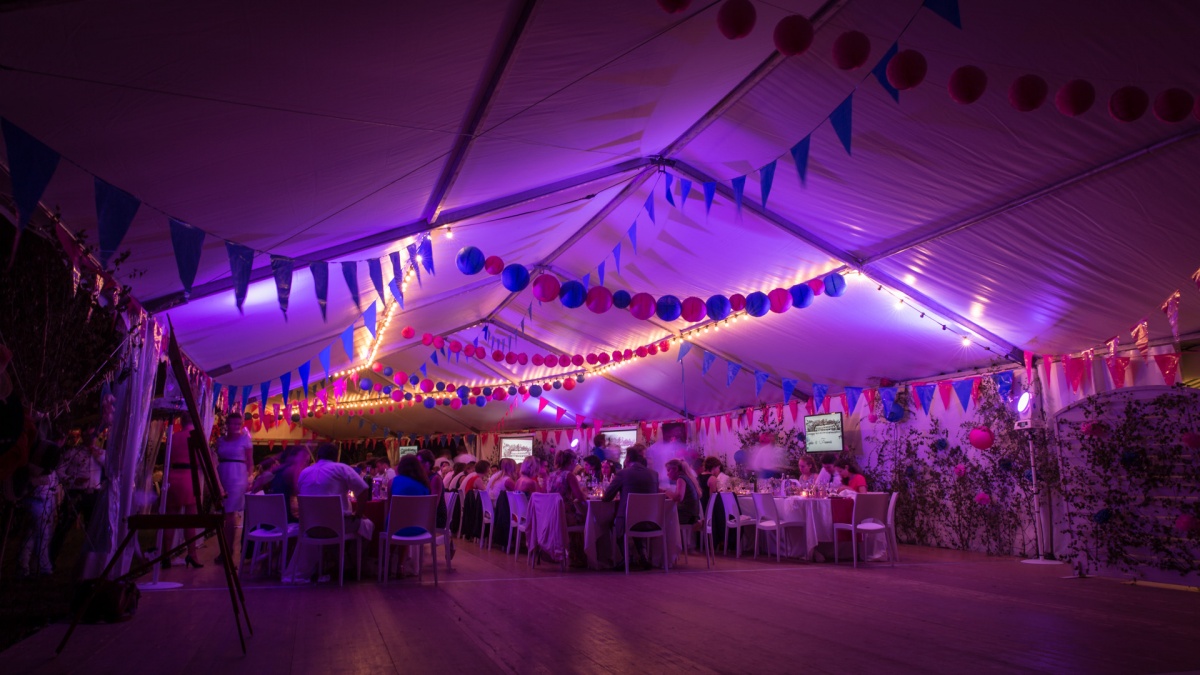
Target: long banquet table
{"type": "Point", "coordinates": [598, 541]}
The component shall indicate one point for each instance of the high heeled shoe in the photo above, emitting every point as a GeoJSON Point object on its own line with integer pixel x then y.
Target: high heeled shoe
{"type": "Point", "coordinates": [192, 562]}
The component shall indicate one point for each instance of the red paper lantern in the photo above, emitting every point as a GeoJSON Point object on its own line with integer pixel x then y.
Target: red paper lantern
{"type": "Point", "coordinates": [641, 352]}
{"type": "Point", "coordinates": [652, 350]}
{"type": "Point", "coordinates": [780, 300]}
{"type": "Point", "coordinates": [522, 390]}
{"type": "Point", "coordinates": [407, 333]}
{"type": "Point", "coordinates": [476, 391]}
{"type": "Point", "coordinates": [982, 438]}
{"type": "Point", "coordinates": [538, 359]}
{"type": "Point", "coordinates": [551, 361]}
{"type": "Point", "coordinates": [1173, 105]}
{"type": "Point", "coordinates": [469, 350]}
{"type": "Point", "coordinates": [851, 50]}
{"type": "Point", "coordinates": [545, 287]}
{"type": "Point", "coordinates": [1128, 104]}
{"type": "Point", "coordinates": [577, 360]}
{"type": "Point", "coordinates": [427, 385]}
{"type": "Point", "coordinates": [603, 357]}
{"type": "Point", "coordinates": [592, 359]}
{"type": "Point", "coordinates": [642, 306]}
{"type": "Point", "coordinates": [510, 358]}
{"type": "Point", "coordinates": [907, 69]}
{"type": "Point", "coordinates": [618, 356]}
{"type": "Point", "coordinates": [793, 35]}
{"type": "Point", "coordinates": [1027, 93]}
{"type": "Point", "coordinates": [400, 377]}
{"type": "Point", "coordinates": [628, 354]}
{"type": "Point", "coordinates": [693, 309]}
{"type": "Point", "coordinates": [1075, 98]}
{"type": "Point", "coordinates": [967, 84]}
{"type": "Point", "coordinates": [664, 345]}
{"type": "Point", "coordinates": [455, 346]}
{"type": "Point", "coordinates": [599, 299]}
{"type": "Point", "coordinates": [736, 18]}
{"type": "Point", "coordinates": [499, 394]}
{"type": "Point", "coordinates": [737, 302]}
{"type": "Point", "coordinates": [455, 403]}
{"type": "Point", "coordinates": [397, 394]}
{"type": "Point", "coordinates": [427, 339]}
{"type": "Point", "coordinates": [439, 342]}
{"type": "Point", "coordinates": [497, 355]}
{"type": "Point", "coordinates": [817, 286]}
{"type": "Point", "coordinates": [377, 367]}
{"type": "Point", "coordinates": [522, 359]}
{"type": "Point", "coordinates": [569, 383]}
{"type": "Point", "coordinates": [493, 265]}
{"type": "Point", "coordinates": [417, 398]}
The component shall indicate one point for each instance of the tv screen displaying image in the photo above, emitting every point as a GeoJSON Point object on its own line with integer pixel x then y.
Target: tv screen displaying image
{"type": "Point", "coordinates": [823, 433]}
{"type": "Point", "coordinates": [516, 448]}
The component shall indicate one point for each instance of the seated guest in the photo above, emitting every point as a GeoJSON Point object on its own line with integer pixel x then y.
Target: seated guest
{"type": "Point", "coordinates": [635, 478]}
{"type": "Point", "coordinates": [608, 469]}
{"type": "Point", "coordinates": [436, 488]}
{"type": "Point", "coordinates": [851, 475]}
{"type": "Point", "coordinates": [829, 474]}
{"type": "Point", "coordinates": [589, 467]}
{"type": "Point", "coordinates": [383, 469]}
{"type": "Point", "coordinates": [718, 480]}
{"type": "Point", "coordinates": [808, 469]}
{"type": "Point", "coordinates": [477, 480]}
{"type": "Point", "coordinates": [291, 462]}
{"type": "Point", "coordinates": [266, 473]}
{"type": "Point", "coordinates": [683, 491]}
{"type": "Point", "coordinates": [456, 475]}
{"type": "Point", "coordinates": [565, 483]}
{"type": "Point", "coordinates": [411, 481]}
{"type": "Point", "coordinates": [504, 480]}
{"type": "Point", "coordinates": [528, 482]}
{"type": "Point", "coordinates": [330, 477]}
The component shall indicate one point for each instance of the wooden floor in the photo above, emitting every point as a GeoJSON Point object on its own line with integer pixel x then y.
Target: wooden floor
{"type": "Point", "coordinates": [938, 611]}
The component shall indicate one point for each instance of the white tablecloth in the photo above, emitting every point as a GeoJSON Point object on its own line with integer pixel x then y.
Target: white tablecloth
{"type": "Point", "coordinates": [817, 516]}
{"type": "Point", "coordinates": [597, 536]}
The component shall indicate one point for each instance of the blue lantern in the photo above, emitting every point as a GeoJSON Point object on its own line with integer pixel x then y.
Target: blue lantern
{"type": "Point", "coordinates": [621, 299]}
{"type": "Point", "coordinates": [718, 307]}
{"type": "Point", "coordinates": [387, 390]}
{"type": "Point", "coordinates": [387, 371]}
{"type": "Point", "coordinates": [463, 391]}
{"type": "Point", "coordinates": [512, 391]}
{"type": "Point", "coordinates": [802, 296]}
{"type": "Point", "coordinates": [515, 278]}
{"type": "Point", "coordinates": [535, 391]}
{"type": "Point", "coordinates": [414, 379]}
{"type": "Point", "coordinates": [835, 285]}
{"type": "Point", "coordinates": [572, 294]}
{"type": "Point", "coordinates": [408, 396]}
{"type": "Point", "coordinates": [669, 308]}
{"type": "Point", "coordinates": [429, 403]}
{"type": "Point", "coordinates": [487, 391]}
{"type": "Point", "coordinates": [480, 401]}
{"type": "Point", "coordinates": [365, 384]}
{"type": "Point", "coordinates": [440, 386]}
{"type": "Point", "coordinates": [469, 260]}
{"type": "Point", "coordinates": [757, 304]}
{"type": "Point", "coordinates": [557, 384]}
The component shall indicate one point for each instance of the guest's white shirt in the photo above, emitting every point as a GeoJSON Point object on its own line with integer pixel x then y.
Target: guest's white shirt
{"type": "Point", "coordinates": [826, 478]}
{"type": "Point", "coordinates": [330, 478]}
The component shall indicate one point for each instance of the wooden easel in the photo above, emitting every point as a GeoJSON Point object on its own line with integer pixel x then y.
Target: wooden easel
{"type": "Point", "coordinates": [210, 522]}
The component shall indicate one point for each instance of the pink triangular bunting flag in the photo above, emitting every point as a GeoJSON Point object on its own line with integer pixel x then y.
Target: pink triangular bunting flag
{"type": "Point", "coordinates": [1168, 365]}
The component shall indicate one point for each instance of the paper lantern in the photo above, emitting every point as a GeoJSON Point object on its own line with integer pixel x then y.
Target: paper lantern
{"type": "Point", "coordinates": [835, 285]}
{"type": "Point", "coordinates": [604, 358]}
{"type": "Point", "coordinates": [455, 346]}
{"type": "Point", "coordinates": [387, 371]}
{"type": "Point", "coordinates": [618, 355]}
{"type": "Point", "coordinates": [522, 390]}
{"type": "Point", "coordinates": [674, 6]}
{"type": "Point", "coordinates": [557, 384]}
{"type": "Point", "coordinates": [572, 294]}
{"type": "Point", "coordinates": [718, 307]}
{"type": "Point", "coordinates": [468, 351]}
{"type": "Point", "coordinates": [599, 299]}
{"type": "Point", "coordinates": [429, 403]}
{"type": "Point", "coordinates": [568, 384]}
{"type": "Point", "coordinates": [736, 18]}
{"type": "Point", "coordinates": [1075, 98]}
{"type": "Point", "coordinates": [621, 299]}
{"type": "Point", "coordinates": [426, 385]}
{"type": "Point", "coordinates": [592, 360]}
{"type": "Point", "coordinates": [907, 69]}
{"type": "Point", "coordinates": [651, 349]}
{"type": "Point", "coordinates": [793, 35]}
{"type": "Point", "coordinates": [737, 302]}
{"type": "Point", "coordinates": [510, 358]}
{"type": "Point", "coordinates": [480, 401]}
{"type": "Point", "coordinates": [895, 413]}
{"type": "Point", "coordinates": [780, 300]}
{"type": "Point", "coordinates": [668, 308]}
{"type": "Point", "coordinates": [535, 391]}
{"type": "Point", "coordinates": [692, 309]}
{"type": "Point", "coordinates": [628, 354]}
{"type": "Point", "coordinates": [386, 391]}
{"type": "Point", "coordinates": [642, 306]}
{"type": "Point", "coordinates": [546, 287]}
{"type": "Point", "coordinates": [465, 391]}
{"type": "Point", "coordinates": [1128, 104]}
{"type": "Point", "coordinates": [439, 342]}
{"type": "Point", "coordinates": [576, 360]}
{"type": "Point", "coordinates": [641, 352]}
{"type": "Point", "coordinates": [664, 346]}
{"type": "Point", "coordinates": [967, 84]}
{"type": "Point", "coordinates": [515, 278]}
{"type": "Point", "coordinates": [538, 359]}
{"type": "Point", "coordinates": [499, 394]}
{"type": "Point", "coordinates": [1173, 105]}
{"type": "Point", "coordinates": [365, 384]}
{"type": "Point", "coordinates": [960, 470]}
{"type": "Point", "coordinates": [455, 403]}
{"type": "Point", "coordinates": [469, 260]}
{"type": "Point", "coordinates": [757, 304]}
{"type": "Point", "coordinates": [493, 264]}
{"type": "Point", "coordinates": [408, 333]}
{"type": "Point", "coordinates": [397, 395]}
{"type": "Point", "coordinates": [981, 438]}
{"type": "Point", "coordinates": [408, 397]}
{"type": "Point", "coordinates": [400, 377]}
{"type": "Point", "coordinates": [817, 286]}
{"type": "Point", "coordinates": [475, 391]}
{"type": "Point", "coordinates": [377, 367]}
{"type": "Point", "coordinates": [414, 379]}
{"type": "Point", "coordinates": [982, 498]}
{"type": "Point", "coordinates": [802, 296]}
{"type": "Point", "coordinates": [851, 50]}
{"type": "Point", "coordinates": [551, 361]}
{"type": "Point", "coordinates": [427, 339]}
{"type": "Point", "coordinates": [1191, 440]}
{"type": "Point", "coordinates": [1027, 93]}
{"type": "Point", "coordinates": [522, 358]}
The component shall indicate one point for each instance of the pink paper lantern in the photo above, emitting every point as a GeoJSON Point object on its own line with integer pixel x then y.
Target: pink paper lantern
{"type": "Point", "coordinates": [455, 346]}
{"type": "Point", "coordinates": [851, 50]}
{"type": "Point", "coordinates": [599, 299]}
{"type": "Point", "coordinates": [664, 345]}
{"type": "Point", "coordinates": [793, 35]}
{"type": "Point", "coordinates": [551, 361]}
{"type": "Point", "coordinates": [737, 302]}
{"type": "Point", "coordinates": [400, 377]}
{"type": "Point", "coordinates": [641, 352]}
{"type": "Point", "coordinates": [982, 498]}
{"type": "Point", "coordinates": [569, 383]}
{"type": "Point", "coordinates": [468, 351]}
{"type": "Point", "coordinates": [427, 339]}
{"type": "Point", "coordinates": [592, 359]}
{"type": "Point", "coordinates": [642, 306]}
{"type": "Point", "coordinates": [1075, 98]}
{"type": "Point", "coordinates": [960, 470]}
{"type": "Point", "coordinates": [694, 309]}
{"type": "Point", "coordinates": [1027, 93]}
{"type": "Point", "coordinates": [545, 287]}
{"type": "Point", "coordinates": [967, 84]}
{"type": "Point", "coordinates": [439, 342]}
{"type": "Point", "coordinates": [408, 333]}
{"type": "Point", "coordinates": [907, 69]}
{"type": "Point", "coordinates": [780, 300]}
{"type": "Point", "coordinates": [577, 360]}
{"type": "Point", "coordinates": [377, 367]}
{"type": "Point", "coordinates": [397, 394]}
{"type": "Point", "coordinates": [510, 358]}
{"type": "Point", "coordinates": [1128, 104]}
{"type": "Point", "coordinates": [455, 403]}
{"type": "Point", "coordinates": [493, 265]}
{"type": "Point", "coordinates": [652, 350]}
{"type": "Point", "coordinates": [522, 358]}
{"type": "Point", "coordinates": [981, 438]}
{"type": "Point", "coordinates": [736, 18]}
{"type": "Point", "coordinates": [497, 356]}
{"type": "Point", "coordinates": [427, 385]}
{"type": "Point", "coordinates": [538, 359]}
{"type": "Point", "coordinates": [603, 356]}
{"type": "Point", "coordinates": [817, 286]}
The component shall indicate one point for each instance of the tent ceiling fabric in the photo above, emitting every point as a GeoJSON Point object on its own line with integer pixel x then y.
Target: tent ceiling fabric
{"type": "Point", "coordinates": [295, 128]}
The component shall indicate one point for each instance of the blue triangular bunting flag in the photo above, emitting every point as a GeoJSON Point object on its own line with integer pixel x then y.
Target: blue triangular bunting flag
{"type": "Point", "coordinates": [800, 157]}
{"type": "Point", "coordinates": [397, 293]}
{"type": "Point", "coordinates": [217, 394]}
{"type": "Point", "coordinates": [819, 392]}
{"type": "Point", "coordinates": [947, 9]}
{"type": "Point", "coordinates": [739, 187]}
{"type": "Point", "coordinates": [600, 272]}
{"type": "Point", "coordinates": [412, 260]}
{"type": "Point", "coordinates": [685, 186]}
{"type": "Point", "coordinates": [710, 191]}
{"type": "Point", "coordinates": [348, 341]}
{"type": "Point", "coordinates": [852, 394]}
{"type": "Point", "coordinates": [1004, 383]}
{"type": "Point", "coordinates": [708, 358]}
{"type": "Point", "coordinates": [766, 177]}
{"type": "Point", "coordinates": [320, 275]}
{"type": "Point", "coordinates": [187, 242]}
{"type": "Point", "coordinates": [925, 395]}
{"type": "Point", "coordinates": [880, 72]}
{"type": "Point", "coordinates": [241, 259]}
{"type": "Point", "coordinates": [633, 236]}
{"type": "Point", "coordinates": [667, 179]}
{"type": "Point", "coordinates": [587, 281]}
{"type": "Point", "coordinates": [264, 390]}
{"type": "Point", "coordinates": [684, 348]}
{"type": "Point", "coordinates": [115, 209]}
{"type": "Point", "coordinates": [963, 389]}
{"type": "Point", "coordinates": [246, 396]}
{"type": "Point", "coordinates": [350, 274]}
{"type": "Point", "coordinates": [424, 370]}
{"type": "Point", "coordinates": [789, 388]}
{"type": "Point", "coordinates": [375, 271]}
{"type": "Point", "coordinates": [281, 268]}
{"type": "Point", "coordinates": [731, 372]}
{"type": "Point", "coordinates": [397, 268]}
{"type": "Point", "coordinates": [426, 251]}
{"type": "Point", "coordinates": [369, 318]}
{"type": "Point", "coordinates": [617, 256]}
{"type": "Point", "coordinates": [285, 385]}
{"type": "Point", "coordinates": [840, 119]}
{"type": "Point", "coordinates": [760, 378]}
{"type": "Point", "coordinates": [324, 357]}
{"type": "Point", "coordinates": [650, 207]}
{"type": "Point", "coordinates": [433, 357]}
{"type": "Point", "coordinates": [31, 164]}
{"type": "Point", "coordinates": [888, 396]}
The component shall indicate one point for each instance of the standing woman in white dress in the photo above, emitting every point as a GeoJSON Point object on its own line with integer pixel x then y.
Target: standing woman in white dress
{"type": "Point", "coordinates": [235, 457]}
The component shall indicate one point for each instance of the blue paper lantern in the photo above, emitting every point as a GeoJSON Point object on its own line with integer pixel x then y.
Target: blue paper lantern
{"type": "Point", "coordinates": [802, 296]}
{"type": "Point", "coordinates": [515, 278]}
{"type": "Point", "coordinates": [758, 304]}
{"type": "Point", "coordinates": [429, 403]}
{"type": "Point", "coordinates": [387, 390]}
{"type": "Point", "coordinates": [440, 386]}
{"type": "Point", "coordinates": [408, 396]}
{"type": "Point", "coordinates": [579, 378]}
{"type": "Point", "coordinates": [572, 294]}
{"type": "Point", "coordinates": [445, 401]}
{"type": "Point", "coordinates": [387, 371]}
{"type": "Point", "coordinates": [739, 458]}
{"type": "Point", "coordinates": [463, 391]}
{"type": "Point", "coordinates": [669, 308]}
{"type": "Point", "coordinates": [835, 285]}
{"type": "Point", "coordinates": [470, 260]}
{"type": "Point", "coordinates": [558, 384]}
{"type": "Point", "coordinates": [621, 299]}
{"type": "Point", "coordinates": [895, 413]}
{"type": "Point", "coordinates": [365, 384]}
{"type": "Point", "coordinates": [512, 391]}
{"type": "Point", "coordinates": [487, 391]}
{"type": "Point", "coordinates": [535, 391]}
{"type": "Point", "coordinates": [414, 379]}
{"type": "Point", "coordinates": [480, 401]}
{"type": "Point", "coordinates": [718, 307]}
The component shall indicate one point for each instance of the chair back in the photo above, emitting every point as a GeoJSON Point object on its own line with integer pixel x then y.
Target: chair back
{"type": "Point", "coordinates": [451, 502]}
{"type": "Point", "coordinates": [412, 511]}
{"type": "Point", "coordinates": [518, 507]}
{"type": "Point", "coordinates": [708, 512]}
{"type": "Point", "coordinates": [891, 520]}
{"type": "Point", "coordinates": [645, 509]}
{"type": "Point", "coordinates": [548, 523]}
{"type": "Point", "coordinates": [269, 510]}
{"type": "Point", "coordinates": [489, 511]}
{"type": "Point", "coordinates": [321, 517]}
{"type": "Point", "coordinates": [732, 511]}
{"type": "Point", "coordinates": [765, 506]}
{"type": "Point", "coordinates": [870, 506]}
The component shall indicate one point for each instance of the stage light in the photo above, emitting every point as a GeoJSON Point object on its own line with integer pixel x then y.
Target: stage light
{"type": "Point", "coordinates": [574, 442]}
{"type": "Point", "coordinates": [1023, 402]}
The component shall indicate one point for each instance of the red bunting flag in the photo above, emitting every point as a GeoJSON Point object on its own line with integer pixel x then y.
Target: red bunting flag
{"type": "Point", "coordinates": [1028, 369]}
{"type": "Point", "coordinates": [1170, 307]}
{"type": "Point", "coordinates": [654, 429]}
{"type": "Point", "coordinates": [558, 414]}
{"type": "Point", "coordinates": [545, 435]}
{"type": "Point", "coordinates": [1047, 365]}
{"type": "Point", "coordinates": [748, 418]}
{"type": "Point", "coordinates": [718, 418]}
{"type": "Point", "coordinates": [779, 412]}
{"type": "Point", "coordinates": [1141, 337]}
{"type": "Point", "coordinates": [1168, 365]}
{"type": "Point", "coordinates": [580, 420]}
{"type": "Point", "coordinates": [276, 411]}
{"type": "Point", "coordinates": [825, 405]}
{"type": "Point", "coordinates": [483, 439]}
{"type": "Point", "coordinates": [1089, 369]}
{"type": "Point", "coordinates": [842, 400]}
{"type": "Point", "coordinates": [870, 394]}
{"type": "Point", "coordinates": [810, 407]}
{"type": "Point", "coordinates": [729, 421]}
{"type": "Point", "coordinates": [1116, 368]}
{"type": "Point", "coordinates": [1074, 370]}
{"type": "Point", "coordinates": [570, 434]}
{"type": "Point", "coordinates": [794, 406]}
{"type": "Point", "coordinates": [706, 422]}
{"type": "Point", "coordinates": [542, 403]}
{"type": "Point", "coordinates": [284, 444]}
{"type": "Point", "coordinates": [557, 436]}
{"type": "Point", "coordinates": [945, 389]}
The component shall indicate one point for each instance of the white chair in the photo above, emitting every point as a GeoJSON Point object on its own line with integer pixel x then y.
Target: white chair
{"type": "Point", "coordinates": [891, 529]}
{"type": "Point", "coordinates": [707, 532]}
{"type": "Point", "coordinates": [518, 519]}
{"type": "Point", "coordinates": [487, 519]}
{"type": "Point", "coordinates": [405, 512]}
{"type": "Point", "coordinates": [323, 523]}
{"type": "Point", "coordinates": [266, 522]}
{"type": "Point", "coordinates": [539, 533]}
{"type": "Point", "coordinates": [646, 509]}
{"type": "Point", "coordinates": [443, 537]}
{"type": "Point", "coordinates": [867, 506]}
{"type": "Point", "coordinates": [769, 521]}
{"type": "Point", "coordinates": [734, 520]}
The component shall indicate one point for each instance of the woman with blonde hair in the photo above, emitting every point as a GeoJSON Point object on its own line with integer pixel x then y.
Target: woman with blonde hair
{"type": "Point", "coordinates": [505, 479]}
{"type": "Point", "coordinates": [530, 470]}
